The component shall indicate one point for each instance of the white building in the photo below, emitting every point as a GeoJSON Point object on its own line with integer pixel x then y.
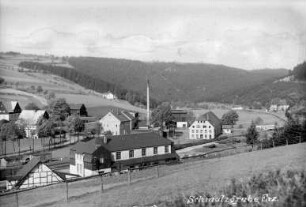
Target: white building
{"type": "Point", "coordinates": [207, 126]}
{"type": "Point", "coordinates": [227, 129]}
{"type": "Point", "coordinates": [201, 129]}
{"type": "Point", "coordinates": [117, 123]}
{"type": "Point", "coordinates": [30, 119]}
{"type": "Point", "coordinates": [9, 110]}
{"type": "Point", "coordinates": [109, 95]}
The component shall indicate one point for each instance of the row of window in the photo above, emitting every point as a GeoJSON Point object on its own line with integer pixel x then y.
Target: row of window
{"type": "Point", "coordinates": [143, 152]}
{"type": "Point", "coordinates": [201, 131]}
{"type": "Point", "coordinates": [199, 126]}
{"type": "Point", "coordinates": [201, 136]}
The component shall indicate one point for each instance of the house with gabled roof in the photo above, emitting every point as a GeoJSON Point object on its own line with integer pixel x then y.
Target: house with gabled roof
{"type": "Point", "coordinates": [116, 153]}
{"type": "Point", "coordinates": [207, 126]}
{"type": "Point", "coordinates": [119, 123]}
{"type": "Point", "coordinates": [78, 109]}
{"type": "Point", "coordinates": [35, 174]}
{"type": "Point", "coordinates": [9, 110]}
{"type": "Point", "coordinates": [30, 118]}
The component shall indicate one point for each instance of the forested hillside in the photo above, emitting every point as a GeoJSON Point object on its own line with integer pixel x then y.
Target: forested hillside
{"type": "Point", "coordinates": [176, 81]}
{"type": "Point", "coordinates": [89, 82]}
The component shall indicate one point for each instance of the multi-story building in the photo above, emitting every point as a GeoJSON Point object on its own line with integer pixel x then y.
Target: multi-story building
{"type": "Point", "coordinates": [118, 123]}
{"type": "Point", "coordinates": [207, 126]}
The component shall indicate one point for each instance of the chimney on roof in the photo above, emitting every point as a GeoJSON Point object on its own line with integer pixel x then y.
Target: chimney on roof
{"type": "Point", "coordinates": [104, 139]}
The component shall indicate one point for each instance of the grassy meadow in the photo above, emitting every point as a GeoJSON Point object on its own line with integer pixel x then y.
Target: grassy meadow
{"type": "Point", "coordinates": [176, 181]}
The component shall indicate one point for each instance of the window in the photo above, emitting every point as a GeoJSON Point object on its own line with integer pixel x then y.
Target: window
{"type": "Point", "coordinates": [198, 126]}
{"type": "Point", "coordinates": [201, 131]}
{"type": "Point", "coordinates": [131, 153]}
{"type": "Point", "coordinates": [101, 160]}
{"type": "Point", "coordinates": [143, 151]}
{"type": "Point", "coordinates": [197, 131]}
{"type": "Point", "coordinates": [193, 126]}
{"type": "Point", "coordinates": [201, 136]}
{"type": "Point", "coordinates": [192, 131]}
{"type": "Point", "coordinates": [118, 155]}
{"type": "Point", "coordinates": [155, 150]}
{"type": "Point", "coordinates": [204, 126]}
{"type": "Point", "coordinates": [166, 149]}
{"type": "Point", "coordinates": [210, 136]}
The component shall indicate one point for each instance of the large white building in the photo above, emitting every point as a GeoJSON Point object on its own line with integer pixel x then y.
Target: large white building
{"type": "Point", "coordinates": [207, 126]}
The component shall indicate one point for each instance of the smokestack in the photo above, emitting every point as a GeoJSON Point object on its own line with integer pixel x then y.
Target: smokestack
{"type": "Point", "coordinates": [148, 103]}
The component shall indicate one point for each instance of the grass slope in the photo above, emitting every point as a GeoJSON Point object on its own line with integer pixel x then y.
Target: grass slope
{"type": "Point", "coordinates": [176, 180]}
{"type": "Point", "coordinates": [199, 176]}
{"type": "Point", "coordinates": [62, 88]}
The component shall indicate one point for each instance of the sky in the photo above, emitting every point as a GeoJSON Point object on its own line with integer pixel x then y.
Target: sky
{"type": "Point", "coordinates": [245, 34]}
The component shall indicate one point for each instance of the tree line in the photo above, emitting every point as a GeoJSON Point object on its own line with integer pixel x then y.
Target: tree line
{"type": "Point", "coordinates": [90, 82]}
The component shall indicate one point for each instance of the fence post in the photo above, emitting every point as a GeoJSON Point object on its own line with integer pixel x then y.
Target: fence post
{"type": "Point", "coordinates": [102, 183]}
{"type": "Point", "coordinates": [129, 176]}
{"type": "Point", "coordinates": [67, 195]}
{"type": "Point", "coordinates": [157, 171]}
{"type": "Point", "coordinates": [17, 201]}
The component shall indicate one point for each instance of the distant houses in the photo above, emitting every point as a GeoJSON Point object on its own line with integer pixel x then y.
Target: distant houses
{"type": "Point", "coordinates": [30, 118]}
{"type": "Point", "coordinates": [109, 95]}
{"type": "Point", "coordinates": [116, 153]}
{"type": "Point", "coordinates": [207, 126]}
{"type": "Point", "coordinates": [180, 118]}
{"type": "Point", "coordinates": [278, 105]}
{"type": "Point", "coordinates": [78, 109]}
{"type": "Point", "coordinates": [9, 110]}
{"type": "Point", "coordinates": [227, 129]}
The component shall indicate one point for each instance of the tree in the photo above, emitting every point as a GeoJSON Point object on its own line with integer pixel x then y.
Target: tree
{"type": "Point", "coordinates": [39, 89]}
{"type": "Point", "coordinates": [32, 106]}
{"type": "Point", "coordinates": [230, 118]}
{"type": "Point", "coordinates": [3, 132]}
{"type": "Point", "coordinates": [46, 129]}
{"type": "Point", "coordinates": [75, 124]}
{"type": "Point", "coordinates": [252, 135]}
{"type": "Point", "coordinates": [51, 95]}
{"type": "Point", "coordinates": [11, 131]}
{"type": "Point", "coordinates": [258, 121]}
{"type": "Point", "coordinates": [59, 108]}
{"type": "Point", "coordinates": [93, 128]}
{"type": "Point", "coordinates": [1, 80]}
{"type": "Point", "coordinates": [162, 114]}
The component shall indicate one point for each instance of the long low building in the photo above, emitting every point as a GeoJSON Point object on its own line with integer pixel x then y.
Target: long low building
{"type": "Point", "coordinates": [116, 153]}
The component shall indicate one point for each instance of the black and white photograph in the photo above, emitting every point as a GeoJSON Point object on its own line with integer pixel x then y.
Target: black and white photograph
{"type": "Point", "coordinates": [152, 103]}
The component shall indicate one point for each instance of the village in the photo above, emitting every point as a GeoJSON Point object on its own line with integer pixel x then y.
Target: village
{"type": "Point", "coordinates": [118, 142]}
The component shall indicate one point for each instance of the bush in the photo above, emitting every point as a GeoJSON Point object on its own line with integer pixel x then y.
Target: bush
{"type": "Point", "coordinates": [284, 188]}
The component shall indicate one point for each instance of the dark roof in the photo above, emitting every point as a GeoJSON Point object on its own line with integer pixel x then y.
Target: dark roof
{"type": "Point", "coordinates": [26, 169]}
{"type": "Point", "coordinates": [120, 116]}
{"type": "Point", "coordinates": [123, 142]}
{"type": "Point", "coordinates": [227, 126]}
{"type": "Point", "coordinates": [128, 115]}
{"type": "Point", "coordinates": [63, 174]}
{"type": "Point", "coordinates": [211, 117]}
{"type": "Point", "coordinates": [175, 111]}
{"type": "Point", "coordinates": [89, 118]}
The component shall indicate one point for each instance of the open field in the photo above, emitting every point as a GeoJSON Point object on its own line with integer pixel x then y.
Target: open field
{"type": "Point", "coordinates": [72, 92]}
{"type": "Point", "coordinates": [175, 180]}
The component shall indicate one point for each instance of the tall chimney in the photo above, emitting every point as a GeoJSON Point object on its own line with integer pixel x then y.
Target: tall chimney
{"type": "Point", "coordinates": [148, 103]}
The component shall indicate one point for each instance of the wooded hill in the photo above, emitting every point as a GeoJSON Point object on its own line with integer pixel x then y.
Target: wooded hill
{"type": "Point", "coordinates": [193, 82]}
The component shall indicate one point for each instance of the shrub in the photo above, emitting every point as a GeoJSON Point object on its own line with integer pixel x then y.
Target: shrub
{"type": "Point", "coordinates": [288, 188]}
